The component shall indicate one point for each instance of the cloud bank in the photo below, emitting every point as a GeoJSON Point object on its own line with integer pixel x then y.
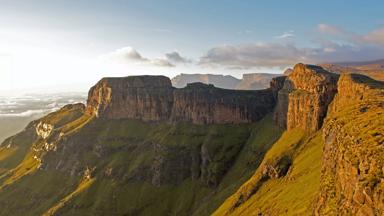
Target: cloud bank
{"type": "Point", "coordinates": [131, 55]}
{"type": "Point", "coordinates": [331, 44]}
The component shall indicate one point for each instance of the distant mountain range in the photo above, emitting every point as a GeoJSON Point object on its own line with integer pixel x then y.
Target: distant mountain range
{"type": "Point", "coordinates": [252, 81]}
{"type": "Point", "coordinates": [374, 69]}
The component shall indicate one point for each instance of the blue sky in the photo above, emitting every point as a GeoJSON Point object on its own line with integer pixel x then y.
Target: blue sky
{"type": "Point", "coordinates": [50, 42]}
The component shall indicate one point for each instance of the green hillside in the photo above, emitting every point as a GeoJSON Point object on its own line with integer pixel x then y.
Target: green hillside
{"type": "Point", "coordinates": [101, 167]}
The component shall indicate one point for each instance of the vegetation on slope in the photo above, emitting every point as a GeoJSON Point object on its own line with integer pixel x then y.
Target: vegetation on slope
{"type": "Point", "coordinates": [274, 193]}
{"type": "Point", "coordinates": [136, 167]}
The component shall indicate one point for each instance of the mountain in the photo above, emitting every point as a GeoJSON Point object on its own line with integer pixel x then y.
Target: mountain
{"type": "Point", "coordinates": [252, 81]}
{"type": "Point", "coordinates": [310, 144]}
{"type": "Point", "coordinates": [374, 69]}
{"type": "Point", "coordinates": [18, 111]}
{"type": "Point", "coordinates": [329, 159]}
{"type": "Point", "coordinates": [221, 81]}
{"type": "Point", "coordinates": [139, 146]}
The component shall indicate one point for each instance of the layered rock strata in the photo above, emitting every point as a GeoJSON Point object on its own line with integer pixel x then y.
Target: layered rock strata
{"type": "Point", "coordinates": [152, 98]}
{"type": "Point", "coordinates": [304, 98]}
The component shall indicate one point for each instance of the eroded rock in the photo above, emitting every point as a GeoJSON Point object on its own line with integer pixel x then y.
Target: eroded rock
{"type": "Point", "coordinates": [303, 101]}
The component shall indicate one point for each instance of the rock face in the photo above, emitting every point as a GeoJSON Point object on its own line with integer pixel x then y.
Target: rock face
{"type": "Point", "coordinates": [277, 84]}
{"type": "Point", "coordinates": [205, 104]}
{"type": "Point", "coordinates": [151, 98]}
{"type": "Point", "coordinates": [148, 98]}
{"type": "Point", "coordinates": [352, 180]}
{"type": "Point", "coordinates": [304, 98]}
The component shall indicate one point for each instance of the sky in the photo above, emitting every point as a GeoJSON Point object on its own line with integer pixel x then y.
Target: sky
{"type": "Point", "coordinates": [68, 45]}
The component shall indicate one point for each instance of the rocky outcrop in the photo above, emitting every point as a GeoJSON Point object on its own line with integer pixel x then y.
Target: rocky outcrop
{"type": "Point", "coordinates": [304, 98]}
{"type": "Point", "coordinates": [352, 180]}
{"type": "Point", "coordinates": [277, 84]}
{"type": "Point", "coordinates": [152, 98]}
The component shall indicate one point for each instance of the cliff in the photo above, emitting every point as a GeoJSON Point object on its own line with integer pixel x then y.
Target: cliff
{"type": "Point", "coordinates": [330, 164]}
{"type": "Point", "coordinates": [154, 99]}
{"type": "Point", "coordinates": [304, 98]}
{"type": "Point", "coordinates": [62, 163]}
{"type": "Point", "coordinates": [148, 98]}
{"type": "Point", "coordinates": [143, 147]}
{"type": "Point", "coordinates": [205, 104]}
{"type": "Point", "coordinates": [352, 166]}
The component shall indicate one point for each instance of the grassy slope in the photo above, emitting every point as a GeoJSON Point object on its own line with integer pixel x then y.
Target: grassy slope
{"type": "Point", "coordinates": [118, 196]}
{"type": "Point", "coordinates": [292, 194]}
{"type": "Point", "coordinates": [129, 142]}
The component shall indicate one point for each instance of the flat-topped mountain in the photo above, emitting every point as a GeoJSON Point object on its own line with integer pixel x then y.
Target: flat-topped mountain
{"type": "Point", "coordinates": [373, 69]}
{"type": "Point", "coordinates": [251, 81]}
{"type": "Point", "coordinates": [152, 98]}
{"type": "Point", "coordinates": [221, 81]}
{"type": "Point", "coordinates": [310, 144]}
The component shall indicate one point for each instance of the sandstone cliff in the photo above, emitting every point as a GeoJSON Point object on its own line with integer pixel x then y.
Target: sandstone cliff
{"type": "Point", "coordinates": [205, 104]}
{"type": "Point", "coordinates": [304, 98]}
{"type": "Point", "coordinates": [352, 181]}
{"type": "Point", "coordinates": [148, 98]}
{"type": "Point", "coordinates": [151, 98]}
{"type": "Point", "coordinates": [108, 158]}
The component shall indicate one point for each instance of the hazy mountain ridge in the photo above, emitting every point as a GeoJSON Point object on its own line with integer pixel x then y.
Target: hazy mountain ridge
{"type": "Point", "coordinates": [251, 81]}
{"type": "Point", "coordinates": [374, 69]}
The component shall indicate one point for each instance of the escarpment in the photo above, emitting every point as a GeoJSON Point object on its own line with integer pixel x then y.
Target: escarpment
{"type": "Point", "coordinates": [312, 143]}
{"type": "Point", "coordinates": [151, 98]}
{"type": "Point", "coordinates": [205, 104]}
{"type": "Point", "coordinates": [352, 180]}
{"type": "Point", "coordinates": [304, 98]}
{"type": "Point", "coordinates": [148, 98]}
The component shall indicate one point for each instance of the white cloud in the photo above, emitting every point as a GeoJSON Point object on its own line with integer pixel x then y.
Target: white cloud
{"type": "Point", "coordinates": [175, 57]}
{"type": "Point", "coordinates": [125, 54]}
{"type": "Point", "coordinates": [288, 34]}
{"type": "Point", "coordinates": [131, 55]}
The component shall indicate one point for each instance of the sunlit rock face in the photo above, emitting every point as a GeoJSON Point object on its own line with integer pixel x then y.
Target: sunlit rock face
{"type": "Point", "coordinates": [304, 99]}
{"type": "Point", "coordinates": [152, 98]}
{"type": "Point", "coordinates": [148, 98]}
{"type": "Point", "coordinates": [352, 166]}
{"type": "Point", "coordinates": [43, 130]}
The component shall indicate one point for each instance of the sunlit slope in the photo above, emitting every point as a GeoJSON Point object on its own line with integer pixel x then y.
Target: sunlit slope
{"type": "Point", "coordinates": [286, 181]}
{"type": "Point", "coordinates": [76, 165]}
